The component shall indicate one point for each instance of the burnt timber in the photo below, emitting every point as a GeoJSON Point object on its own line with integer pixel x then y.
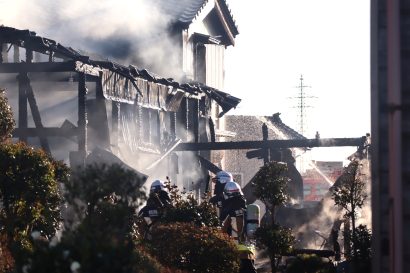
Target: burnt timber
{"type": "Point", "coordinates": [273, 144]}
{"type": "Point", "coordinates": [147, 108]}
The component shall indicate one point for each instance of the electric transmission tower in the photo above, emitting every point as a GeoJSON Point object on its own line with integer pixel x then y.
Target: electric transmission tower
{"type": "Point", "coordinates": [301, 105]}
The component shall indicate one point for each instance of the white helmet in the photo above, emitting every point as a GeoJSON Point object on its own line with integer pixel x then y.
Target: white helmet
{"type": "Point", "coordinates": [232, 189]}
{"type": "Point", "coordinates": [224, 177]}
{"type": "Point", "coordinates": [157, 185]}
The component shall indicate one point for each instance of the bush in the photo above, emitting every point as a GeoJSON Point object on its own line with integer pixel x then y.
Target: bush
{"type": "Point", "coordinates": [7, 122]}
{"type": "Point", "coordinates": [310, 264]}
{"type": "Point", "coordinates": [188, 210]}
{"type": "Point", "coordinates": [105, 199]}
{"type": "Point", "coordinates": [29, 194]}
{"type": "Point", "coordinates": [278, 240]}
{"type": "Point", "coordinates": [89, 253]}
{"type": "Point", "coordinates": [195, 249]}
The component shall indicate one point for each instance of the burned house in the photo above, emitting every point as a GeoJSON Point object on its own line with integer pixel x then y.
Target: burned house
{"type": "Point", "coordinates": [78, 108]}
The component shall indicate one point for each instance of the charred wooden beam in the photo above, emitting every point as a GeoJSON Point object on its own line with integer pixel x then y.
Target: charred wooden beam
{"type": "Point", "coordinates": [3, 55]}
{"type": "Point", "coordinates": [172, 124]}
{"type": "Point", "coordinates": [115, 116]}
{"type": "Point", "coordinates": [195, 117]}
{"type": "Point", "coordinates": [35, 112]}
{"type": "Point", "coordinates": [16, 53]}
{"type": "Point", "coordinates": [44, 132]}
{"type": "Point", "coordinates": [82, 114]}
{"type": "Point", "coordinates": [265, 138]}
{"type": "Point", "coordinates": [57, 81]}
{"type": "Point", "coordinates": [272, 144]}
{"type": "Point", "coordinates": [74, 66]}
{"type": "Point", "coordinates": [22, 105]}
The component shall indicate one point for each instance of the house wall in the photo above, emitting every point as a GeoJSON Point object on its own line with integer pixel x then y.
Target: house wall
{"type": "Point", "coordinates": [214, 70]}
{"type": "Point", "coordinates": [246, 128]}
{"type": "Point", "coordinates": [390, 152]}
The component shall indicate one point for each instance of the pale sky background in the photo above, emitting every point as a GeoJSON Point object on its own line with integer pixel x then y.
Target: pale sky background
{"type": "Point", "coordinates": [328, 41]}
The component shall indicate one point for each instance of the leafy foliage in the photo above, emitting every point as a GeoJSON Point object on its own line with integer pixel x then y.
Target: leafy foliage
{"type": "Point", "coordinates": [270, 183]}
{"type": "Point", "coordinates": [361, 246]}
{"type": "Point", "coordinates": [350, 194]}
{"type": "Point", "coordinates": [29, 193]}
{"type": "Point", "coordinates": [104, 199]}
{"type": "Point", "coordinates": [270, 187]}
{"type": "Point", "coordinates": [195, 249]}
{"type": "Point", "coordinates": [310, 264]}
{"type": "Point", "coordinates": [277, 239]}
{"type": "Point", "coordinates": [187, 209]}
{"type": "Point", "coordinates": [100, 187]}
{"type": "Point", "coordinates": [92, 251]}
{"type": "Point", "coordinates": [7, 122]}
{"type": "Point", "coordinates": [6, 258]}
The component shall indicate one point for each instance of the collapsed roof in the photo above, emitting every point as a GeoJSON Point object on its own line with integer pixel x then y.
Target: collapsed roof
{"type": "Point", "coordinates": [82, 63]}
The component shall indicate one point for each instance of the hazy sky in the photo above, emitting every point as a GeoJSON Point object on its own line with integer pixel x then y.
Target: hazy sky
{"type": "Point", "coordinates": [328, 41]}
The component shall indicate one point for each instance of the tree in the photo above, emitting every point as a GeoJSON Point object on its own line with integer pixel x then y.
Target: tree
{"type": "Point", "coordinates": [194, 249]}
{"type": "Point", "coordinates": [270, 187]}
{"type": "Point", "coordinates": [7, 122]}
{"type": "Point", "coordinates": [360, 248]}
{"type": "Point", "coordinates": [101, 238]}
{"type": "Point", "coordinates": [29, 194]}
{"type": "Point", "coordinates": [350, 195]}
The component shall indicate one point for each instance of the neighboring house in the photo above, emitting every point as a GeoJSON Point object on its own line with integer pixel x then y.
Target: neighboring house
{"type": "Point", "coordinates": [82, 105]}
{"type": "Point", "coordinates": [250, 128]}
{"type": "Point", "coordinates": [318, 180]}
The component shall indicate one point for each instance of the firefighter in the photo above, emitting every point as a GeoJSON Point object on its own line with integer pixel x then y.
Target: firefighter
{"type": "Point", "coordinates": [158, 189]}
{"type": "Point", "coordinates": [233, 211]}
{"type": "Point", "coordinates": [247, 253]}
{"type": "Point", "coordinates": [157, 201]}
{"type": "Point", "coordinates": [220, 181]}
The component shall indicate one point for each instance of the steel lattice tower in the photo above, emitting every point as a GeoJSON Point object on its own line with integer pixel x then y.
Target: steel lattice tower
{"type": "Point", "coordinates": [301, 105]}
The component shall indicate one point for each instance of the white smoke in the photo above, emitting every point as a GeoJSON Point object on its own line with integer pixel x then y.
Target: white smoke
{"type": "Point", "coordinates": [129, 31]}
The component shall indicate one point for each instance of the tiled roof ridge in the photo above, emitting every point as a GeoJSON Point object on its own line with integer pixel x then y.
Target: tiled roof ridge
{"type": "Point", "coordinates": [276, 121]}
{"type": "Point", "coordinates": [228, 13]}
{"type": "Point", "coordinates": [198, 10]}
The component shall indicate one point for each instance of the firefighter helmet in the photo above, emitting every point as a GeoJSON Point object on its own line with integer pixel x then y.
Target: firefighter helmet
{"type": "Point", "coordinates": [232, 189]}
{"type": "Point", "coordinates": [157, 186]}
{"type": "Point", "coordinates": [224, 177]}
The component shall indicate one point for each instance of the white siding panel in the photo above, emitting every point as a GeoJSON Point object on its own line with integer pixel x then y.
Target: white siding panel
{"type": "Point", "coordinates": [215, 66]}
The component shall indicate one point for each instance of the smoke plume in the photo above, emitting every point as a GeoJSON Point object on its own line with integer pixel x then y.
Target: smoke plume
{"type": "Point", "coordinates": [128, 31]}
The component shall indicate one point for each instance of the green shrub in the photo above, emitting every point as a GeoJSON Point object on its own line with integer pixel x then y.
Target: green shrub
{"type": "Point", "coordinates": [104, 199]}
{"type": "Point", "coordinates": [187, 209]}
{"type": "Point", "coordinates": [91, 253]}
{"type": "Point", "coordinates": [310, 264]}
{"type": "Point", "coordinates": [195, 249]}
{"type": "Point", "coordinates": [278, 240]}
{"type": "Point", "coordinates": [29, 194]}
{"type": "Point", "coordinates": [7, 122]}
